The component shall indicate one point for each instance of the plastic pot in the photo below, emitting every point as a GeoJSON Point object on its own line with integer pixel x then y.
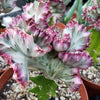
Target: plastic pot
{"type": "Point", "coordinates": [5, 75]}
{"type": "Point", "coordinates": [93, 89]}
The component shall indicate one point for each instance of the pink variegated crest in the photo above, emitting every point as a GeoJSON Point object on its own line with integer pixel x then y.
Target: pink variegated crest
{"type": "Point", "coordinates": [75, 71]}
{"type": "Point", "coordinates": [91, 14]}
{"type": "Point", "coordinates": [20, 23]}
{"type": "Point", "coordinates": [78, 59]}
{"type": "Point", "coordinates": [57, 8]}
{"type": "Point", "coordinates": [28, 26]}
{"type": "Point", "coordinates": [76, 83]}
{"type": "Point", "coordinates": [37, 11]}
{"type": "Point", "coordinates": [19, 66]}
{"type": "Point", "coordinates": [61, 42]}
{"type": "Point", "coordinates": [73, 37]}
{"type": "Point", "coordinates": [19, 48]}
{"type": "Point", "coordinates": [25, 42]}
{"type": "Point", "coordinates": [79, 36]}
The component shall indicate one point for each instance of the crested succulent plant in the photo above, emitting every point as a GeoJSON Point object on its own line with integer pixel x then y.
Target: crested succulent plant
{"type": "Point", "coordinates": [73, 37]}
{"type": "Point", "coordinates": [56, 9]}
{"type": "Point", "coordinates": [92, 14]}
{"type": "Point", "coordinates": [30, 41]}
{"type": "Point", "coordinates": [19, 49]}
{"type": "Point", "coordinates": [7, 5]}
{"type": "Point", "coordinates": [76, 59]}
{"type": "Point", "coordinates": [37, 11]}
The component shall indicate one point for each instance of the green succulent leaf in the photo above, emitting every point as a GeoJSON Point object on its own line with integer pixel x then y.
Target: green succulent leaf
{"type": "Point", "coordinates": [79, 11]}
{"type": "Point", "coordinates": [71, 11]}
{"type": "Point", "coordinates": [44, 87]}
{"type": "Point", "coordinates": [94, 47]}
{"type": "Point", "coordinates": [88, 3]}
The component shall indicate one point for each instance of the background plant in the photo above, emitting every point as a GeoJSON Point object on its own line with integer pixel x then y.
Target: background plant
{"type": "Point", "coordinates": [91, 14]}
{"type": "Point", "coordinates": [7, 5]}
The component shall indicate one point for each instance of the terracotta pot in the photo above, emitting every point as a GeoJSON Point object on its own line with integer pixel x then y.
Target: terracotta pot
{"type": "Point", "coordinates": [92, 88]}
{"type": "Point", "coordinates": [2, 29]}
{"type": "Point", "coordinates": [83, 92]}
{"type": "Point", "coordinates": [60, 25]}
{"type": "Point", "coordinates": [82, 89]}
{"type": "Point", "coordinates": [5, 75]}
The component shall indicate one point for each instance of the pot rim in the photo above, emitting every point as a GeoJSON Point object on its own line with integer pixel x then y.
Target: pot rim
{"type": "Point", "coordinates": [5, 76]}
{"type": "Point", "coordinates": [83, 92]}
{"type": "Point", "coordinates": [90, 81]}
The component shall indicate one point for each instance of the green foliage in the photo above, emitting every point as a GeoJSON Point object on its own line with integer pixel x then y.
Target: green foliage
{"type": "Point", "coordinates": [50, 22]}
{"type": "Point", "coordinates": [45, 87]}
{"type": "Point", "coordinates": [94, 47]}
{"type": "Point", "coordinates": [79, 11]}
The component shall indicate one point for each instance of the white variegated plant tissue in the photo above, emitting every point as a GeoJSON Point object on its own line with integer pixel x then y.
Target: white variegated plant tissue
{"type": "Point", "coordinates": [31, 41]}
{"type": "Point", "coordinates": [7, 5]}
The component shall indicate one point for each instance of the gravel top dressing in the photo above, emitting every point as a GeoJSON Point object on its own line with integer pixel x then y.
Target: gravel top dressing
{"type": "Point", "coordinates": [13, 91]}
{"type": "Point", "coordinates": [92, 74]}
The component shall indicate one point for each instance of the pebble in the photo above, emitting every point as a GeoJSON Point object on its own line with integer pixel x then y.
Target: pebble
{"type": "Point", "coordinates": [91, 74]}
{"type": "Point", "coordinates": [62, 98]}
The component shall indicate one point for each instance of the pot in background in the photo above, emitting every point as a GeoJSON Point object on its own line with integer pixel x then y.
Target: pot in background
{"type": "Point", "coordinates": [5, 75]}
{"type": "Point", "coordinates": [83, 92]}
{"type": "Point", "coordinates": [93, 89]}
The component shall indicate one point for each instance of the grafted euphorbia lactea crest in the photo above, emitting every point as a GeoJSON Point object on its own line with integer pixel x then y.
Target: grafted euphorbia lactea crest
{"type": "Point", "coordinates": [73, 37]}
{"type": "Point", "coordinates": [19, 23]}
{"type": "Point", "coordinates": [92, 14]}
{"type": "Point", "coordinates": [7, 5]}
{"type": "Point", "coordinates": [76, 59]}
{"type": "Point", "coordinates": [56, 10]}
{"type": "Point", "coordinates": [30, 41]}
{"type": "Point", "coordinates": [21, 47]}
{"type": "Point", "coordinates": [37, 11]}
{"type": "Point", "coordinates": [70, 52]}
